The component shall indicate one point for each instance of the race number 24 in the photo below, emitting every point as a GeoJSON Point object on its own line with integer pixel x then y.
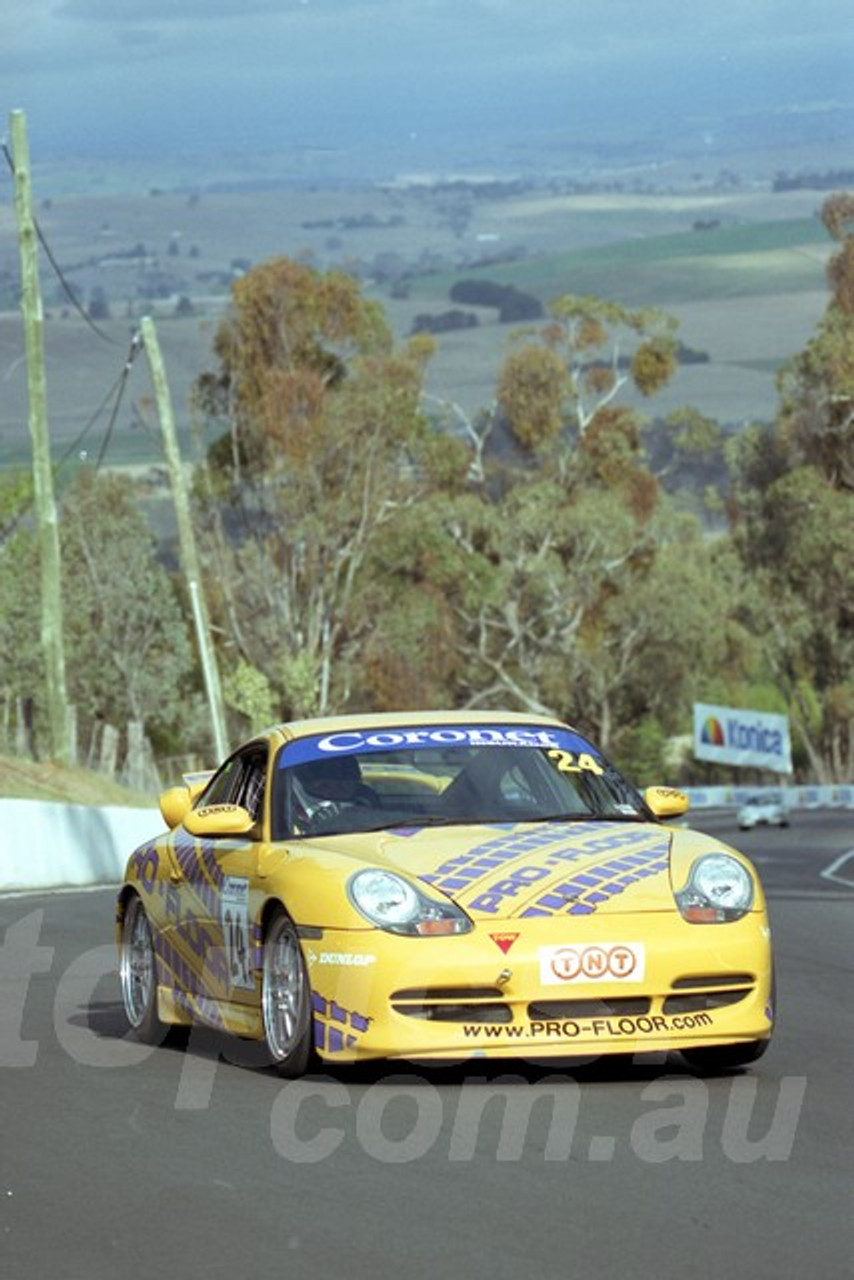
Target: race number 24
{"type": "Point", "coordinates": [569, 762]}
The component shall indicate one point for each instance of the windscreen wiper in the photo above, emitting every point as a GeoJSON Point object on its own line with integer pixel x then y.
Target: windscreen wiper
{"type": "Point", "coordinates": [408, 821]}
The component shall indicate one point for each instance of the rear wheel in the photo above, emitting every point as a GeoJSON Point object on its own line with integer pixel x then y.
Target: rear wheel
{"type": "Point", "coordinates": [724, 1057]}
{"type": "Point", "coordinates": [138, 974]}
{"type": "Point", "coordinates": [285, 999]}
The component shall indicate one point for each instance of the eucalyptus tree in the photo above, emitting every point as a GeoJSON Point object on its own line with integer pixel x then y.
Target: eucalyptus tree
{"type": "Point", "coordinates": [559, 378]}
{"type": "Point", "coordinates": [795, 522]}
{"type": "Point", "coordinates": [128, 651]}
{"type": "Point", "coordinates": [321, 446]}
{"type": "Point", "coordinates": [127, 633]}
{"type": "Point", "coordinates": [816, 417]}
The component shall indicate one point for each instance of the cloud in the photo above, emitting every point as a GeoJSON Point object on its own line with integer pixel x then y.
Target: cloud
{"type": "Point", "coordinates": [114, 11]}
{"type": "Point", "coordinates": [273, 68]}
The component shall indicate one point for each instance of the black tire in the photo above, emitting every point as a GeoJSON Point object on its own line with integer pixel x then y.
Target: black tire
{"type": "Point", "coordinates": [725, 1057]}
{"type": "Point", "coordinates": [138, 974]}
{"type": "Point", "coordinates": [285, 999]}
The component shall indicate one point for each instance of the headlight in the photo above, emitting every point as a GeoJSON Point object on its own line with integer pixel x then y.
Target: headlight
{"type": "Point", "coordinates": [394, 904]}
{"type": "Point", "coordinates": [719, 888]}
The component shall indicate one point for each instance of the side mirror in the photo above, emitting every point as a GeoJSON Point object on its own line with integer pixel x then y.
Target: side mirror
{"type": "Point", "coordinates": [666, 802]}
{"type": "Point", "coordinates": [174, 804]}
{"type": "Point", "coordinates": [219, 820]}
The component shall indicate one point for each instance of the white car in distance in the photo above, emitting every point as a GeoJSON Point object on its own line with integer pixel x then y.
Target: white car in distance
{"type": "Point", "coordinates": [765, 808]}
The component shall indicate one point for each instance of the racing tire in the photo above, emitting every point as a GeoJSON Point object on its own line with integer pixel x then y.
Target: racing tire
{"type": "Point", "coordinates": [725, 1057]}
{"type": "Point", "coordinates": [138, 975]}
{"type": "Point", "coordinates": [285, 999]}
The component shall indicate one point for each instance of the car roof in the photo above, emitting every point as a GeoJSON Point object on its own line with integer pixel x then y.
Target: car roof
{"type": "Point", "coordinates": [289, 730]}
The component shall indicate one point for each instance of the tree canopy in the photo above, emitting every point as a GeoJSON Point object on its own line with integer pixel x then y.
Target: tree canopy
{"type": "Point", "coordinates": [366, 546]}
{"type": "Point", "coordinates": [128, 651]}
{"type": "Point", "coordinates": [795, 523]}
{"type": "Point", "coordinates": [324, 445]}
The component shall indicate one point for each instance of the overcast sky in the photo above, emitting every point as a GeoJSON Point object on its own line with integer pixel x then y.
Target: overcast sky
{"type": "Point", "coordinates": [208, 75]}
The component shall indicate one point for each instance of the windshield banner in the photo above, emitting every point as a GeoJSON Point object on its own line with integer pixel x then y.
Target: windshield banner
{"type": "Point", "coordinates": [354, 741]}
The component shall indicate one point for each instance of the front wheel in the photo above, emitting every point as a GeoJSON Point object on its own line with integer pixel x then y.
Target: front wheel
{"type": "Point", "coordinates": [285, 999]}
{"type": "Point", "coordinates": [724, 1057]}
{"type": "Point", "coordinates": [138, 975]}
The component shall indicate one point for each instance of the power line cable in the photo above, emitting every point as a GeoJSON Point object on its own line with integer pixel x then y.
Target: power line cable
{"type": "Point", "coordinates": [116, 390]}
{"type": "Point", "coordinates": [135, 345]}
{"type": "Point", "coordinates": [66, 287]}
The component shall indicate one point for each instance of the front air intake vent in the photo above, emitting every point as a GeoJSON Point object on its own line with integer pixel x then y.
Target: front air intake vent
{"type": "Point", "coordinates": [713, 980]}
{"type": "Point", "coordinates": [594, 1008]}
{"type": "Point", "coordinates": [447, 993]}
{"type": "Point", "coordinates": [452, 1004]}
{"type": "Point", "coordinates": [702, 1000]}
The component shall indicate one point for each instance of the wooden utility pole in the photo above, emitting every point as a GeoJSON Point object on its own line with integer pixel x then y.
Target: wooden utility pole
{"type": "Point", "coordinates": [186, 538]}
{"type": "Point", "coordinates": [33, 317]}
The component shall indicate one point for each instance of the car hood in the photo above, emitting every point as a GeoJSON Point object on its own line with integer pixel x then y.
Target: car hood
{"type": "Point", "coordinates": [554, 868]}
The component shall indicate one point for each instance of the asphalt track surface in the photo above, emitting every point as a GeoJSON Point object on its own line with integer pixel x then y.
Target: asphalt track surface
{"type": "Point", "coordinates": [188, 1160]}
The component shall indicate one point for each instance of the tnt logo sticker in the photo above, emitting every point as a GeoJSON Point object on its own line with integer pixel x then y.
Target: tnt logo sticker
{"type": "Point", "coordinates": [598, 962]}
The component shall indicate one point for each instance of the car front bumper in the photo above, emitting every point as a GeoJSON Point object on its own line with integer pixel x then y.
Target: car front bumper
{"type": "Point", "coordinates": [483, 994]}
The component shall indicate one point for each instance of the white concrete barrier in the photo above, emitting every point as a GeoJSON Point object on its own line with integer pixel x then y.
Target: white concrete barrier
{"type": "Point", "coordinates": [730, 797]}
{"type": "Point", "coordinates": [47, 846]}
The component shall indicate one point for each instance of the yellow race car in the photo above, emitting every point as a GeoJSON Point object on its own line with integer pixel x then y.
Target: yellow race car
{"type": "Point", "coordinates": [438, 886]}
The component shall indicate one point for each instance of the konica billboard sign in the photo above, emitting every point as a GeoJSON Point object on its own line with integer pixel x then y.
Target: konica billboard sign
{"type": "Point", "coordinates": [726, 735]}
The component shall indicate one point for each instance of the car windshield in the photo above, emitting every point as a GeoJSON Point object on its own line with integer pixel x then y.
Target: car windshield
{"type": "Point", "coordinates": [445, 775]}
{"type": "Point", "coordinates": [761, 801]}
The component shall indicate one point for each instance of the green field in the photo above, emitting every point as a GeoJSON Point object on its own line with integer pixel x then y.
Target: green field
{"type": "Point", "coordinates": [724, 262]}
{"type": "Point", "coordinates": [747, 290]}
